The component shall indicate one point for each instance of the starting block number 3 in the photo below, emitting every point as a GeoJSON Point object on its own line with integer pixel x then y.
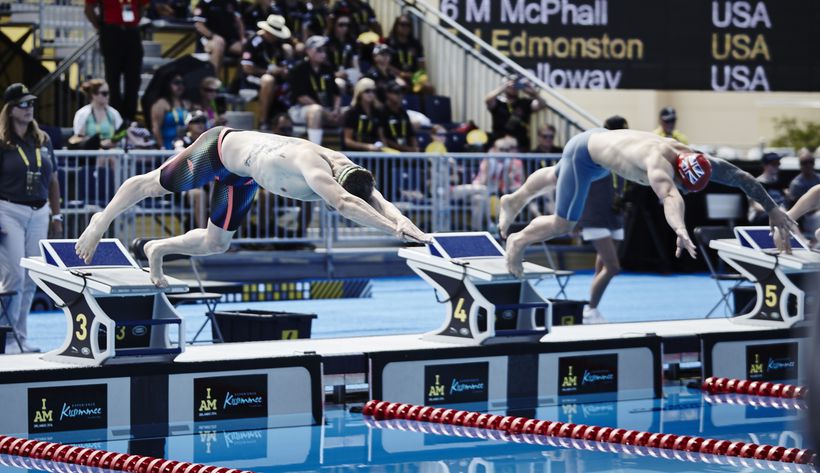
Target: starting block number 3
{"type": "Point", "coordinates": [82, 333]}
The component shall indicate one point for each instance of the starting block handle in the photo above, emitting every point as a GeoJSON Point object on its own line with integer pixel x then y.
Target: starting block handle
{"type": "Point", "coordinates": [534, 305]}
{"type": "Point", "coordinates": [148, 351]}
{"type": "Point", "coordinates": [134, 323]}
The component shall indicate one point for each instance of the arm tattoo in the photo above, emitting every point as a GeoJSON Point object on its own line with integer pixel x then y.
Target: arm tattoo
{"type": "Point", "coordinates": [724, 172]}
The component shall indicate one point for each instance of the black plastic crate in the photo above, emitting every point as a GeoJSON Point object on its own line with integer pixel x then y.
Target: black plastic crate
{"type": "Point", "coordinates": [564, 312]}
{"type": "Point", "coordinates": [257, 325]}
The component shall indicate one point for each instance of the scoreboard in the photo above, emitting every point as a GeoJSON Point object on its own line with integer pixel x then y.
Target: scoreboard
{"type": "Point", "coordinates": [718, 45]}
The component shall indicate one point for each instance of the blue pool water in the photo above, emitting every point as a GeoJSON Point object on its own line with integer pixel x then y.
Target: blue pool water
{"type": "Point", "coordinates": [348, 441]}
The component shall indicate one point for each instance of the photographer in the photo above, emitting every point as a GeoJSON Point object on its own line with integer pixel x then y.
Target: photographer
{"type": "Point", "coordinates": [516, 97]}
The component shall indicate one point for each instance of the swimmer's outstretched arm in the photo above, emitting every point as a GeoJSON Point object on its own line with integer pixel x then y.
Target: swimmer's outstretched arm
{"type": "Point", "coordinates": [724, 172]}
{"type": "Point", "coordinates": [661, 181]}
{"type": "Point", "coordinates": [403, 225]}
{"type": "Point", "coordinates": [810, 201]}
{"type": "Point", "coordinates": [318, 177]}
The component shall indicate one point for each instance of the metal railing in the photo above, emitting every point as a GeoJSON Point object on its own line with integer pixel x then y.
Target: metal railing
{"type": "Point", "coordinates": [437, 192]}
{"type": "Point", "coordinates": [464, 67]}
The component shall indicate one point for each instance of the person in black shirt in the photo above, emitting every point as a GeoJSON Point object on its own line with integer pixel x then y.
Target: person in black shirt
{"type": "Point", "coordinates": [362, 16]}
{"type": "Point", "coordinates": [361, 122]}
{"type": "Point", "coordinates": [546, 140]}
{"type": "Point", "coordinates": [342, 51]}
{"type": "Point", "coordinates": [396, 130]}
{"type": "Point", "coordinates": [28, 181]}
{"type": "Point", "coordinates": [408, 53]}
{"type": "Point", "coordinates": [256, 11]}
{"type": "Point", "coordinates": [313, 91]}
{"type": "Point", "coordinates": [380, 71]}
{"type": "Point", "coordinates": [505, 101]}
{"type": "Point", "coordinates": [220, 25]}
{"type": "Point", "coordinates": [316, 19]}
{"type": "Point", "coordinates": [263, 62]}
{"type": "Point", "coordinates": [294, 12]}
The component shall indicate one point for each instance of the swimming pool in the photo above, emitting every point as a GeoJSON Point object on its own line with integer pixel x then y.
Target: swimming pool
{"type": "Point", "coordinates": [348, 441]}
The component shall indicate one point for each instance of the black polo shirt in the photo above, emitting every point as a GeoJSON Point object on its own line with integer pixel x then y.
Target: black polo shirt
{"type": "Point", "coordinates": [406, 56]}
{"type": "Point", "coordinates": [397, 126]}
{"type": "Point", "coordinates": [13, 171]}
{"type": "Point", "coordinates": [365, 127]}
{"type": "Point", "coordinates": [294, 15]}
{"type": "Point", "coordinates": [220, 17]}
{"type": "Point", "coordinates": [319, 85]}
{"type": "Point", "coordinates": [502, 110]}
{"type": "Point", "coordinates": [340, 53]}
{"type": "Point", "coordinates": [260, 53]}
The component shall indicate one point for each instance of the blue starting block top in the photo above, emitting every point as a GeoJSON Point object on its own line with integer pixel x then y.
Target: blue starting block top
{"type": "Point", "coordinates": [110, 254]}
{"type": "Point", "coordinates": [465, 245]}
{"type": "Point", "coordinates": [760, 238]}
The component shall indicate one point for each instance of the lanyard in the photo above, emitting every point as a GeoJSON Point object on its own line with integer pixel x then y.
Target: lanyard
{"type": "Point", "coordinates": [317, 88]}
{"type": "Point", "coordinates": [408, 60]}
{"type": "Point", "coordinates": [25, 159]}
{"type": "Point", "coordinates": [360, 127]}
{"type": "Point", "coordinates": [403, 128]}
{"type": "Point", "coordinates": [177, 121]}
{"type": "Point", "coordinates": [97, 124]}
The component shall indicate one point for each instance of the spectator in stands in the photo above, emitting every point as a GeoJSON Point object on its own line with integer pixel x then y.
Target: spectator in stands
{"type": "Point", "coordinates": [256, 11]}
{"type": "Point", "coordinates": [342, 51]}
{"type": "Point", "coordinates": [168, 113]}
{"type": "Point", "coordinates": [603, 224]}
{"type": "Point", "coordinates": [500, 171]}
{"type": "Point", "coordinates": [516, 97]}
{"type": "Point", "coordinates": [380, 71]}
{"type": "Point", "coordinates": [220, 26]}
{"type": "Point", "coordinates": [807, 178]}
{"type": "Point", "coordinates": [668, 118]}
{"type": "Point", "coordinates": [117, 21]}
{"type": "Point", "coordinates": [546, 140]}
{"type": "Point", "coordinates": [97, 118]}
{"type": "Point", "coordinates": [314, 93]}
{"type": "Point", "coordinates": [294, 12]}
{"type": "Point", "coordinates": [361, 120]}
{"type": "Point", "coordinates": [396, 130]}
{"type": "Point", "coordinates": [208, 90]}
{"type": "Point", "coordinates": [770, 180]}
{"type": "Point", "coordinates": [264, 63]}
{"type": "Point", "coordinates": [196, 123]}
{"type": "Point", "coordinates": [28, 181]}
{"type": "Point", "coordinates": [362, 15]}
{"type": "Point", "coordinates": [169, 10]}
{"type": "Point", "coordinates": [408, 61]}
{"type": "Point", "coordinates": [316, 19]}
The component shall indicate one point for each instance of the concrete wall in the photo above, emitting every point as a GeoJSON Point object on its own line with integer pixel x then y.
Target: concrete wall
{"type": "Point", "coordinates": [739, 119]}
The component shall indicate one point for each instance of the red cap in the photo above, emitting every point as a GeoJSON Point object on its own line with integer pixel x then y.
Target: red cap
{"type": "Point", "coordinates": [694, 171]}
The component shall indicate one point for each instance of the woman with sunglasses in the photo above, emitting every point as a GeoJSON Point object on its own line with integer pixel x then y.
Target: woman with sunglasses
{"type": "Point", "coordinates": [168, 113]}
{"type": "Point", "coordinates": [361, 120]}
{"type": "Point", "coordinates": [98, 117]}
{"type": "Point", "coordinates": [28, 181]}
{"type": "Point", "coordinates": [208, 90]}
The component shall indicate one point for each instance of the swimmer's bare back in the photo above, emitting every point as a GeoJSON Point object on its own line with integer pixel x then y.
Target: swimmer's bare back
{"type": "Point", "coordinates": [271, 160]}
{"type": "Point", "coordinates": [626, 152]}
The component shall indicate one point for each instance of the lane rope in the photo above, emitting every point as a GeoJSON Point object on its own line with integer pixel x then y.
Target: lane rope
{"type": "Point", "coordinates": [715, 385]}
{"type": "Point", "coordinates": [41, 452]}
{"type": "Point", "coordinates": [383, 410]}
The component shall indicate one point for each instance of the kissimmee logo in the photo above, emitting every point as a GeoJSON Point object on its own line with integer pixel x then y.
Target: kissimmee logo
{"type": "Point", "coordinates": [213, 444]}
{"type": "Point", "coordinates": [587, 374]}
{"type": "Point", "coordinates": [230, 397]}
{"type": "Point", "coordinates": [57, 409]}
{"type": "Point", "coordinates": [771, 362]}
{"type": "Point", "coordinates": [460, 383]}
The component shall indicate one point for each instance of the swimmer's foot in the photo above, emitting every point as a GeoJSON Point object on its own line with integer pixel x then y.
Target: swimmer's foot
{"type": "Point", "coordinates": [515, 255]}
{"type": "Point", "coordinates": [87, 243]}
{"type": "Point", "coordinates": [155, 265]}
{"type": "Point", "coordinates": [506, 214]}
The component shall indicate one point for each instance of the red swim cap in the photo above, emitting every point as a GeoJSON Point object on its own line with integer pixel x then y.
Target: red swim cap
{"type": "Point", "coordinates": [694, 171]}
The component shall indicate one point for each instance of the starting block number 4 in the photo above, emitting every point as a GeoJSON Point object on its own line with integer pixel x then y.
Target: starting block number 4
{"type": "Point", "coordinates": [290, 334]}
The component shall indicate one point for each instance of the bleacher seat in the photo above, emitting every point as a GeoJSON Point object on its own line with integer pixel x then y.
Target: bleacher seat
{"type": "Point", "coordinates": [424, 139]}
{"type": "Point", "coordinates": [456, 141]}
{"type": "Point", "coordinates": [95, 186]}
{"type": "Point", "coordinates": [411, 102]}
{"type": "Point", "coordinates": [438, 109]}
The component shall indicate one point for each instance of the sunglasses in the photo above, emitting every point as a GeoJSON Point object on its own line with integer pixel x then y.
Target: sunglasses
{"type": "Point", "coordinates": [104, 93]}
{"type": "Point", "coordinates": [506, 149]}
{"type": "Point", "coordinates": [177, 82]}
{"type": "Point", "coordinates": [368, 91]}
{"type": "Point", "coordinates": [404, 24]}
{"type": "Point", "coordinates": [211, 91]}
{"type": "Point", "coordinates": [547, 137]}
{"type": "Point", "coordinates": [26, 104]}
{"type": "Point", "coordinates": [343, 25]}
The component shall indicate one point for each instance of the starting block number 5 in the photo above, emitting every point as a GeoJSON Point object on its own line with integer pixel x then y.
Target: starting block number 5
{"type": "Point", "coordinates": [770, 296]}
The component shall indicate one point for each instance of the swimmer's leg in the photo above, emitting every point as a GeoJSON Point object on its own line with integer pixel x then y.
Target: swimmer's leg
{"type": "Point", "coordinates": [198, 242]}
{"type": "Point", "coordinates": [542, 228]}
{"type": "Point", "coordinates": [537, 184]}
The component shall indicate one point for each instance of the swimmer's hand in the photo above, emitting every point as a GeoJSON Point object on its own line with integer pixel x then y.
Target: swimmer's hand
{"type": "Point", "coordinates": [406, 230]}
{"type": "Point", "coordinates": [782, 226]}
{"type": "Point", "coordinates": [684, 243]}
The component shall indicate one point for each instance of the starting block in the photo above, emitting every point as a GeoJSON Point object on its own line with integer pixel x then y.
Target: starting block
{"type": "Point", "coordinates": [114, 312]}
{"type": "Point", "coordinates": [786, 285]}
{"type": "Point", "coordinates": [484, 302]}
